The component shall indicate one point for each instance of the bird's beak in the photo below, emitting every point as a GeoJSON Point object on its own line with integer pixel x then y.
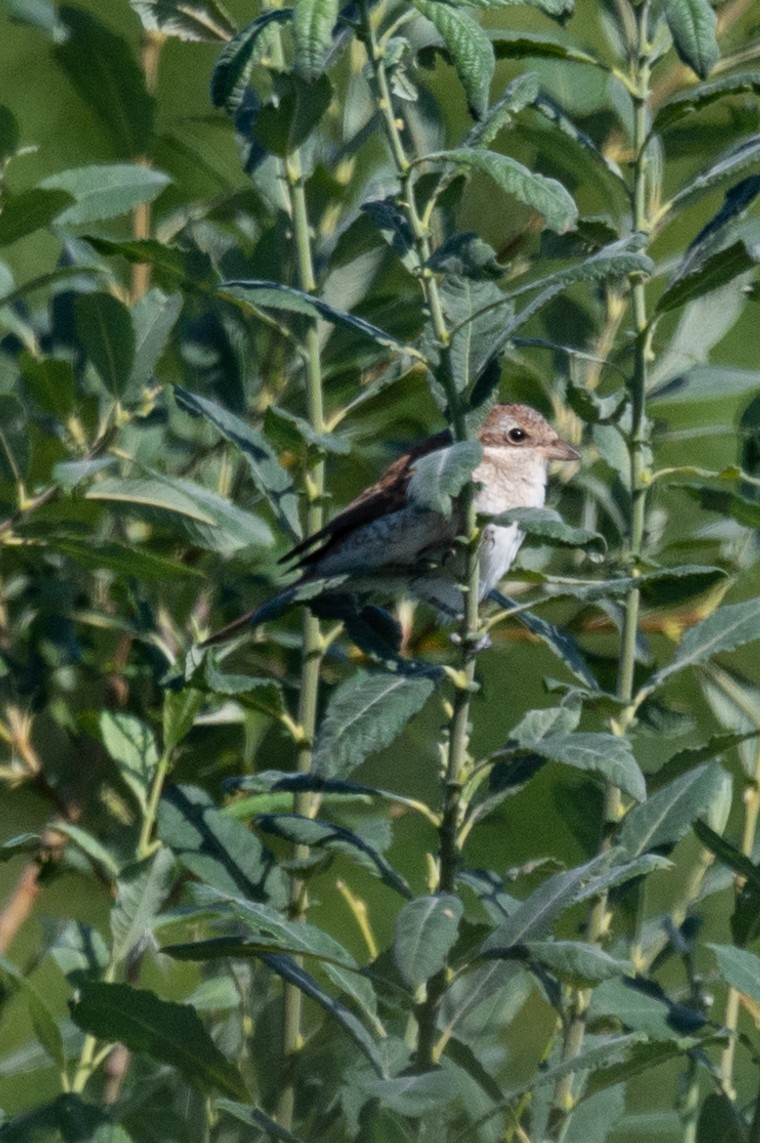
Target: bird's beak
{"type": "Point", "coordinates": [561, 450]}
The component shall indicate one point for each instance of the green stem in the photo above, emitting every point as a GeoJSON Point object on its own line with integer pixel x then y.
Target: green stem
{"type": "Point", "coordinates": [146, 845]}
{"type": "Point", "coordinates": [457, 751]}
{"type": "Point", "coordinates": [313, 644]}
{"type": "Point", "coordinates": [638, 459]}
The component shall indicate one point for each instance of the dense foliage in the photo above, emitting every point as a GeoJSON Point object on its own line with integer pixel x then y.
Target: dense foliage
{"type": "Point", "coordinates": [348, 878]}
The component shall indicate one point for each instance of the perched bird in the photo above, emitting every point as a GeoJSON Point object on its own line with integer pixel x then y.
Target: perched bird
{"type": "Point", "coordinates": [384, 540]}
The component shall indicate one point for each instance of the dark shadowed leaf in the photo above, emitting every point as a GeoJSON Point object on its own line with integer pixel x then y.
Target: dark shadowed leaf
{"type": "Point", "coordinates": [732, 163]}
{"type": "Point", "coordinates": [715, 271]}
{"type": "Point", "coordinates": [31, 210]}
{"type": "Point", "coordinates": [101, 67]}
{"type": "Point", "coordinates": [364, 715]}
{"type": "Point", "coordinates": [581, 965]}
{"type": "Point", "coordinates": [720, 1121]}
{"type": "Point", "coordinates": [601, 753]}
{"type": "Point", "coordinates": [693, 26]}
{"type": "Point", "coordinates": [194, 21]}
{"type": "Point", "coordinates": [668, 814]}
{"type": "Point", "coordinates": [442, 474]}
{"type": "Point", "coordinates": [154, 317]}
{"type": "Point", "coordinates": [68, 1119]}
{"type": "Point", "coordinates": [141, 891]}
{"type": "Point", "coordinates": [132, 747]}
{"type": "Point", "coordinates": [560, 642]}
{"type": "Point", "coordinates": [727, 628]}
{"type": "Point", "coordinates": [104, 327]}
{"type": "Point", "coordinates": [212, 845]}
{"type": "Point", "coordinates": [21, 843]}
{"type": "Point", "coordinates": [230, 76]}
{"type": "Point", "coordinates": [426, 929]}
{"type": "Point", "coordinates": [257, 1118]}
{"type": "Point", "coordinates": [523, 45]}
{"type": "Point", "coordinates": [268, 475]}
{"type": "Point", "coordinates": [44, 1023]}
{"type": "Point", "coordinates": [171, 1033]}
{"type": "Point", "coordinates": [685, 103]}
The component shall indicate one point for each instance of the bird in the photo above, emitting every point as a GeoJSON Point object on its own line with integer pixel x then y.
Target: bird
{"type": "Point", "coordinates": [384, 540]}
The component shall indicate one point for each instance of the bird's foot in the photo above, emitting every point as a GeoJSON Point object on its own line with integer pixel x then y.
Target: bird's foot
{"type": "Point", "coordinates": [478, 642]}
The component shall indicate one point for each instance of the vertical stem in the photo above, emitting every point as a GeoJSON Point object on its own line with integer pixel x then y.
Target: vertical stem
{"type": "Point", "coordinates": [150, 52]}
{"type": "Point", "coordinates": [457, 752]}
{"type": "Point", "coordinates": [312, 635]}
{"type": "Point", "coordinates": [638, 460]}
{"type": "Point", "coordinates": [145, 846]}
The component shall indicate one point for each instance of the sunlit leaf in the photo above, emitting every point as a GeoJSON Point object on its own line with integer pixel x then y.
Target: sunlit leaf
{"type": "Point", "coordinates": [194, 21]}
{"type": "Point", "coordinates": [230, 76]}
{"type": "Point", "coordinates": [668, 814]}
{"type": "Point", "coordinates": [105, 191]}
{"type": "Point", "coordinates": [313, 23]}
{"type": "Point", "coordinates": [469, 47]}
{"type": "Point", "coordinates": [442, 474]}
{"type": "Point", "coordinates": [693, 26]}
{"type": "Point", "coordinates": [425, 931]}
{"type": "Point", "coordinates": [105, 330]}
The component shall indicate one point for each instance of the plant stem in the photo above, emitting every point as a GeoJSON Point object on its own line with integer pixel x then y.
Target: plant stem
{"type": "Point", "coordinates": [313, 644]}
{"type": "Point", "coordinates": [457, 751]}
{"type": "Point", "coordinates": [145, 845]}
{"type": "Point", "coordinates": [638, 460]}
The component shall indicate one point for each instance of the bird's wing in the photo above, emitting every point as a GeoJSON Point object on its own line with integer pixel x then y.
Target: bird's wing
{"type": "Point", "coordinates": [387, 495]}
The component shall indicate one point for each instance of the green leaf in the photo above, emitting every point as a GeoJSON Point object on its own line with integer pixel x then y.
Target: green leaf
{"type": "Point", "coordinates": [601, 753]}
{"type": "Point", "coordinates": [562, 644]}
{"type": "Point", "coordinates": [65, 1119]}
{"type": "Point", "coordinates": [734, 161]}
{"type": "Point", "coordinates": [141, 891]}
{"type": "Point", "coordinates": [214, 846]}
{"type": "Point", "coordinates": [253, 1115]}
{"type": "Point", "coordinates": [518, 94]}
{"type": "Point", "coordinates": [477, 311]}
{"type": "Point", "coordinates": [284, 125]}
{"type": "Point", "coordinates": [101, 67]}
{"type": "Point", "coordinates": [579, 964]}
{"type": "Point", "coordinates": [739, 968]}
{"type": "Point", "coordinates": [154, 317]}
{"type": "Point", "coordinates": [170, 1033]}
{"type": "Point", "coordinates": [230, 78]}
{"type": "Point", "coordinates": [132, 746]}
{"type": "Point", "coordinates": [267, 473]}
{"type": "Point", "coordinates": [21, 843]}
{"type": "Point", "coordinates": [44, 1023]}
{"type": "Point", "coordinates": [425, 931]}
{"type": "Point", "coordinates": [51, 382]}
{"type": "Point", "coordinates": [209, 520]}
{"type": "Point", "coordinates": [668, 814]}
{"type": "Point", "coordinates": [31, 210]}
{"type": "Point", "coordinates": [727, 628]}
{"type": "Point", "coordinates": [193, 21]}
{"type": "Point", "coordinates": [180, 711]}
{"type": "Point", "coordinates": [442, 474]}
{"type": "Point", "coordinates": [469, 47]}
{"type": "Point", "coordinates": [414, 1095]}
{"type": "Point", "coordinates": [728, 854]}
{"type": "Point", "coordinates": [715, 271]}
{"type": "Point", "coordinates": [105, 190]}
{"type": "Point", "coordinates": [720, 1121]}
{"type": "Point", "coordinates": [365, 714]}
{"type": "Point", "coordinates": [592, 1120]}
{"type": "Point", "coordinates": [547, 525]}
{"type": "Point", "coordinates": [90, 845]}
{"type": "Point", "coordinates": [548, 197]}
{"type": "Point", "coordinates": [258, 295]}
{"type": "Point", "coordinates": [625, 871]}
{"type": "Point", "coordinates": [694, 99]}
{"type": "Point", "coordinates": [693, 25]}
{"type": "Point", "coordinates": [99, 555]}
{"type": "Point", "coordinates": [9, 134]}
{"type": "Point", "coordinates": [192, 269]}
{"type": "Point", "coordinates": [641, 1057]}
{"type": "Point", "coordinates": [313, 23]}
{"type": "Point", "coordinates": [522, 45]}
{"type": "Point", "coordinates": [533, 918]}
{"type": "Point", "coordinates": [104, 328]}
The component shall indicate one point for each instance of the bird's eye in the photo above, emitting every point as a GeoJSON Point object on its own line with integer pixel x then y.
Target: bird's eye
{"type": "Point", "coordinates": [517, 436]}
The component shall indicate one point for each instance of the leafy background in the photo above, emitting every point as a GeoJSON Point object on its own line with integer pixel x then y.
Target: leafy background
{"type": "Point", "coordinates": [133, 527]}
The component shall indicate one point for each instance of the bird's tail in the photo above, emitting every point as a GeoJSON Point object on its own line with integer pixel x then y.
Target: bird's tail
{"type": "Point", "coordinates": [272, 609]}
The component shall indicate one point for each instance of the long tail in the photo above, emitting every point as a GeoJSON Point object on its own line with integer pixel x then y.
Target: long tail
{"type": "Point", "coordinates": [272, 609]}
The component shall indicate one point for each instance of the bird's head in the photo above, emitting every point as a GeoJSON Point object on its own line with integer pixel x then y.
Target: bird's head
{"type": "Point", "coordinates": [520, 428]}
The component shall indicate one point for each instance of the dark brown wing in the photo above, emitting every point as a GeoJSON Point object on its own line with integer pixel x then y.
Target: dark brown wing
{"type": "Point", "coordinates": [387, 495]}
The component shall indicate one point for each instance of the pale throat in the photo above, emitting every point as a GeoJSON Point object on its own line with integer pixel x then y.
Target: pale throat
{"type": "Point", "coordinates": [510, 478]}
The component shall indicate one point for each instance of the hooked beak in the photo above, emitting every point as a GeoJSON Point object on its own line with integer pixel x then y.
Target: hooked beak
{"type": "Point", "coordinates": [561, 450]}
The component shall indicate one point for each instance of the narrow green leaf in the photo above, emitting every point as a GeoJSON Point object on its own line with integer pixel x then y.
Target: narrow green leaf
{"type": "Point", "coordinates": [694, 99]}
{"type": "Point", "coordinates": [441, 475]}
{"type": "Point", "coordinates": [425, 931]}
{"type": "Point", "coordinates": [739, 968]}
{"type": "Point", "coordinates": [601, 753]}
{"type": "Point", "coordinates": [214, 846]}
{"type": "Point", "coordinates": [559, 641]}
{"type": "Point", "coordinates": [727, 628]}
{"type": "Point", "coordinates": [230, 77]}
{"type": "Point", "coordinates": [21, 843]}
{"type": "Point", "coordinates": [582, 965]}
{"type": "Point", "coordinates": [181, 709]}
{"type": "Point", "coordinates": [365, 714]}
{"type": "Point", "coordinates": [693, 25]}
{"type": "Point", "coordinates": [548, 197]}
{"type": "Point", "coordinates": [44, 1023]}
{"type": "Point", "coordinates": [103, 70]}
{"type": "Point", "coordinates": [105, 190]}
{"type": "Point", "coordinates": [313, 23]}
{"type": "Point", "coordinates": [193, 21]}
{"type": "Point", "coordinates": [522, 45]}
{"type": "Point", "coordinates": [547, 525]}
{"type": "Point", "coordinates": [641, 1058]}
{"type": "Point", "coordinates": [720, 1121]}
{"type": "Point", "coordinates": [668, 814]}
{"type": "Point", "coordinates": [90, 845]}
{"type": "Point", "coordinates": [133, 563]}
{"type": "Point", "coordinates": [715, 271]}
{"type": "Point", "coordinates": [257, 1118]}
{"type": "Point", "coordinates": [31, 210]}
{"type": "Point", "coordinates": [469, 47]}
{"type": "Point", "coordinates": [132, 746]}
{"type": "Point", "coordinates": [414, 1095]}
{"type": "Point", "coordinates": [736, 160]}
{"type": "Point", "coordinates": [267, 473]}
{"type": "Point", "coordinates": [729, 855]}
{"type": "Point", "coordinates": [141, 891]}
{"type": "Point", "coordinates": [258, 295]}
{"type": "Point", "coordinates": [154, 317]}
{"type": "Point", "coordinates": [477, 310]}
{"type": "Point", "coordinates": [104, 328]}
{"type": "Point", "coordinates": [625, 871]}
{"type": "Point", "coordinates": [518, 94]}
{"type": "Point", "coordinates": [170, 1033]}
{"type": "Point", "coordinates": [208, 519]}
{"type": "Point", "coordinates": [321, 834]}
